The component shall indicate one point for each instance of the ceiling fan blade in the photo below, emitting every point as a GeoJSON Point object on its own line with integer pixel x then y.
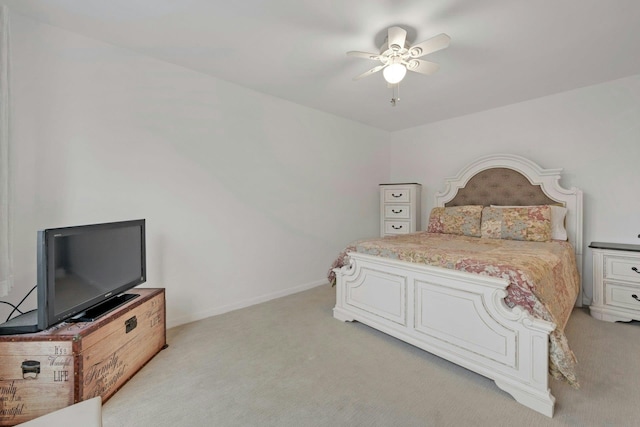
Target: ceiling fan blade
{"type": "Point", "coordinates": [422, 67]}
{"type": "Point", "coordinates": [369, 72]}
{"type": "Point", "coordinates": [365, 55]}
{"type": "Point", "coordinates": [434, 44]}
{"type": "Point", "coordinates": [396, 38]}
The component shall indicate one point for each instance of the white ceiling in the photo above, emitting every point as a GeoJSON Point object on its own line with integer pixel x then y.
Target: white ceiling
{"type": "Point", "coordinates": [501, 52]}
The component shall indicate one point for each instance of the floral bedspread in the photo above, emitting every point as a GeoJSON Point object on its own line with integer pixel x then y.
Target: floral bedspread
{"type": "Point", "coordinates": [543, 276]}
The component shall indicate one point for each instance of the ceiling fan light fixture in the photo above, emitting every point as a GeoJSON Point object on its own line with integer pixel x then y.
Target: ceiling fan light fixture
{"type": "Point", "coordinates": [394, 73]}
{"type": "Point", "coordinates": [397, 56]}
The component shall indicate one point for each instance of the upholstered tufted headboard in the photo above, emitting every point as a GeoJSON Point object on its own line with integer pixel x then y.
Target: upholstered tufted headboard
{"type": "Point", "coordinates": [500, 186]}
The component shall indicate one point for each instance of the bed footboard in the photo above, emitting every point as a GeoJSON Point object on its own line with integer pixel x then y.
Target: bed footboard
{"type": "Point", "coordinates": [459, 316]}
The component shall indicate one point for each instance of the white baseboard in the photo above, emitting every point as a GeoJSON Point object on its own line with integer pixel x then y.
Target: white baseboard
{"type": "Point", "coordinates": [192, 317]}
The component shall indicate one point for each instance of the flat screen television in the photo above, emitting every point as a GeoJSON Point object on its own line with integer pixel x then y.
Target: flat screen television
{"type": "Point", "coordinates": [82, 271]}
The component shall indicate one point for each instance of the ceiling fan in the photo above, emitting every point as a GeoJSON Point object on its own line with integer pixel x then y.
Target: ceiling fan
{"type": "Point", "coordinates": [397, 56]}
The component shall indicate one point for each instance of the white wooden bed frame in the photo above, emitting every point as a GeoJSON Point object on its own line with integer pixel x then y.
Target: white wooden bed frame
{"type": "Point", "coordinates": [460, 316]}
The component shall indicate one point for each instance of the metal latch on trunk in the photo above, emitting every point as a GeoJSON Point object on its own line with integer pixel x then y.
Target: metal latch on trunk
{"type": "Point", "coordinates": [131, 324]}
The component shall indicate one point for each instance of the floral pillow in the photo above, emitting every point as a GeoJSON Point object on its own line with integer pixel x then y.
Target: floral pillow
{"type": "Point", "coordinates": [531, 223]}
{"type": "Point", "coordinates": [558, 213]}
{"type": "Point", "coordinates": [464, 220]}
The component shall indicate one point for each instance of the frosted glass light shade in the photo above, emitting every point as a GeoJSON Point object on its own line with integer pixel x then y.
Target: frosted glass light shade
{"type": "Point", "coordinates": [394, 73]}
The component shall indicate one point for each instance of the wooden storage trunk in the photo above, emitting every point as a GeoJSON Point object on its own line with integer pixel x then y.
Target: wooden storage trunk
{"type": "Point", "coordinates": [71, 362]}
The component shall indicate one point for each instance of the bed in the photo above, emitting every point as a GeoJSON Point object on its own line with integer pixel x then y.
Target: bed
{"type": "Point", "coordinates": [473, 316]}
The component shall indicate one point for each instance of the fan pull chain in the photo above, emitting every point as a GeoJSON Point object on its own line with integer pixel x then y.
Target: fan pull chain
{"type": "Point", "coordinates": [395, 95]}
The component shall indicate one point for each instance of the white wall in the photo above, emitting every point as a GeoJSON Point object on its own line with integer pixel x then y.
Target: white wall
{"type": "Point", "coordinates": [593, 133]}
{"type": "Point", "coordinates": [246, 196]}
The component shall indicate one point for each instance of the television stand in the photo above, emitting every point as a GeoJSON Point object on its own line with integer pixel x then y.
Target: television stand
{"type": "Point", "coordinates": [71, 362]}
{"type": "Point", "coordinates": [99, 310]}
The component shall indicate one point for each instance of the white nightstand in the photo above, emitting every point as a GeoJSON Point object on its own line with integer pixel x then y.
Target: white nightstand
{"type": "Point", "coordinates": [399, 208]}
{"type": "Point", "coordinates": [616, 282]}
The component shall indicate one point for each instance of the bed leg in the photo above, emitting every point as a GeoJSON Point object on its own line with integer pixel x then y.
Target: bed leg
{"type": "Point", "coordinates": [342, 315]}
{"type": "Point", "coordinates": [538, 400]}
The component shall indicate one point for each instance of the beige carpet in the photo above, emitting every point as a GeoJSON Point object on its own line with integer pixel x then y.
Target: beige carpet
{"type": "Point", "coordinates": [287, 362]}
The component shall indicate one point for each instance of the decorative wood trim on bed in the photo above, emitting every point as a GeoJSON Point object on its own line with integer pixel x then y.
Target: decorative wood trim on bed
{"type": "Point", "coordinates": [459, 316]}
{"type": "Point", "coordinates": [544, 183]}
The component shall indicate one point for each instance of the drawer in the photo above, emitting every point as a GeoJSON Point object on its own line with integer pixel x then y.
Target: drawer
{"type": "Point", "coordinates": [619, 295]}
{"type": "Point", "coordinates": [622, 268]}
{"type": "Point", "coordinates": [397, 195]}
{"type": "Point", "coordinates": [397, 211]}
{"type": "Point", "coordinates": [397, 227]}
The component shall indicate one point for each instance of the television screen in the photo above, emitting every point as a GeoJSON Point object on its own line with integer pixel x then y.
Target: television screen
{"type": "Point", "coordinates": [81, 266]}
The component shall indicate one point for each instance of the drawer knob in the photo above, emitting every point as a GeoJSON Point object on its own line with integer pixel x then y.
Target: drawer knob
{"type": "Point", "coordinates": [635, 269]}
{"type": "Point", "coordinates": [396, 228]}
{"type": "Point", "coordinates": [635, 297]}
{"type": "Point", "coordinates": [396, 195]}
{"type": "Point", "coordinates": [400, 210]}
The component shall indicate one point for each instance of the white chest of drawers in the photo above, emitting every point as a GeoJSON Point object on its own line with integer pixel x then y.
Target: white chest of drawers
{"type": "Point", "coordinates": [399, 208]}
{"type": "Point", "coordinates": [616, 282]}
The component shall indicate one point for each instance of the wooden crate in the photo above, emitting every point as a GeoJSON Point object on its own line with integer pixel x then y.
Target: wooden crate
{"type": "Point", "coordinates": [71, 362]}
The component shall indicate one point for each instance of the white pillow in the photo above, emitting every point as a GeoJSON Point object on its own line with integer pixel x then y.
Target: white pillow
{"type": "Point", "coordinates": [558, 231]}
